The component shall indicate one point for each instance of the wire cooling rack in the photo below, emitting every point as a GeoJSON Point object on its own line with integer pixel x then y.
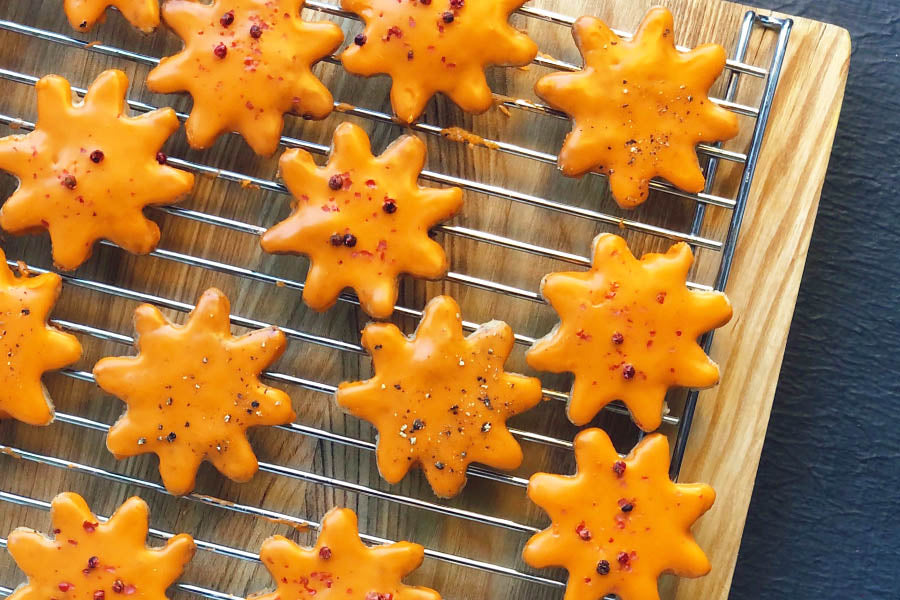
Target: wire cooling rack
{"type": "Point", "coordinates": [726, 194]}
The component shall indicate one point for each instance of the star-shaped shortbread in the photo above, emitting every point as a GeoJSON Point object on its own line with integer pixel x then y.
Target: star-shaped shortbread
{"type": "Point", "coordinates": [617, 525]}
{"type": "Point", "coordinates": [90, 560]}
{"type": "Point", "coordinates": [341, 567]}
{"type": "Point", "coordinates": [28, 345]}
{"type": "Point", "coordinates": [362, 220]}
{"type": "Point", "coordinates": [640, 107]}
{"type": "Point", "coordinates": [246, 63]}
{"type": "Point", "coordinates": [87, 171]}
{"type": "Point", "coordinates": [84, 14]}
{"type": "Point", "coordinates": [439, 399]}
{"type": "Point", "coordinates": [629, 330]}
{"type": "Point", "coordinates": [440, 46]}
{"type": "Point", "coordinates": [192, 391]}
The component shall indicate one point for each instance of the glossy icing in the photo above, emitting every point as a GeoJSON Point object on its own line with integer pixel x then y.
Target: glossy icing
{"type": "Point", "coordinates": [87, 171]}
{"type": "Point", "coordinates": [439, 399]}
{"type": "Point", "coordinates": [441, 46]}
{"type": "Point", "coordinates": [83, 14]}
{"type": "Point", "coordinates": [245, 63]}
{"type": "Point", "coordinates": [618, 524]}
{"type": "Point", "coordinates": [377, 202]}
{"type": "Point", "coordinates": [192, 391]}
{"type": "Point", "coordinates": [30, 346]}
{"type": "Point", "coordinates": [629, 330]}
{"type": "Point", "coordinates": [89, 560]}
{"type": "Point", "coordinates": [341, 567]}
{"type": "Point", "coordinates": [639, 107]}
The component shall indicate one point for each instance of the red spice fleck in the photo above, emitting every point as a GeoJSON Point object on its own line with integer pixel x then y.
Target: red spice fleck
{"type": "Point", "coordinates": [678, 332]}
{"type": "Point", "coordinates": [583, 335]}
{"type": "Point", "coordinates": [619, 468]}
{"type": "Point", "coordinates": [583, 532]}
{"type": "Point", "coordinates": [617, 338]}
{"type": "Point", "coordinates": [661, 297]}
{"type": "Point", "coordinates": [393, 31]}
{"type": "Point", "coordinates": [370, 183]}
{"type": "Point", "coordinates": [623, 559]}
{"type": "Point", "coordinates": [99, 595]}
{"type": "Point", "coordinates": [65, 586]}
{"type": "Point", "coordinates": [325, 553]}
{"type": "Point", "coordinates": [221, 50]}
{"type": "Point", "coordinates": [336, 182]}
{"type": "Point", "coordinates": [90, 527]}
{"type": "Point", "coordinates": [628, 371]}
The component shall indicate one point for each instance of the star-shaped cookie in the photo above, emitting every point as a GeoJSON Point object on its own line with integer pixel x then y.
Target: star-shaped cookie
{"type": "Point", "coordinates": [629, 330]}
{"type": "Point", "coordinates": [617, 525]}
{"type": "Point", "coordinates": [440, 46]}
{"type": "Point", "coordinates": [362, 220]}
{"type": "Point", "coordinates": [192, 391]}
{"type": "Point", "coordinates": [439, 399]}
{"type": "Point", "coordinates": [30, 346]}
{"type": "Point", "coordinates": [87, 171]}
{"type": "Point", "coordinates": [341, 567]}
{"type": "Point", "coordinates": [84, 14]}
{"type": "Point", "coordinates": [640, 107]}
{"type": "Point", "coordinates": [245, 63]}
{"type": "Point", "coordinates": [89, 560]}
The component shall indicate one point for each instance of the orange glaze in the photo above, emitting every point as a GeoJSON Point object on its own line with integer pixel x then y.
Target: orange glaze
{"type": "Point", "coordinates": [618, 524]}
{"type": "Point", "coordinates": [192, 391]}
{"type": "Point", "coordinates": [28, 345]}
{"type": "Point", "coordinates": [439, 399]}
{"type": "Point", "coordinates": [89, 560]}
{"type": "Point", "coordinates": [341, 567]}
{"type": "Point", "coordinates": [246, 63]}
{"type": "Point", "coordinates": [83, 14]}
{"type": "Point", "coordinates": [378, 203]}
{"type": "Point", "coordinates": [81, 196]}
{"type": "Point", "coordinates": [423, 53]}
{"type": "Point", "coordinates": [639, 107]}
{"type": "Point", "coordinates": [629, 330]}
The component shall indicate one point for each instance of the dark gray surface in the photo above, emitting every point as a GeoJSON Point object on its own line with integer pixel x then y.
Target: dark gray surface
{"type": "Point", "coordinates": [825, 517]}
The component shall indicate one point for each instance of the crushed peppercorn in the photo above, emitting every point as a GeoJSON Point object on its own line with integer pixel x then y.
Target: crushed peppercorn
{"type": "Point", "coordinates": [97, 156]}
{"type": "Point", "coordinates": [227, 19]}
{"type": "Point", "coordinates": [221, 50]}
{"type": "Point", "coordinates": [603, 567]}
{"type": "Point", "coordinates": [628, 371]}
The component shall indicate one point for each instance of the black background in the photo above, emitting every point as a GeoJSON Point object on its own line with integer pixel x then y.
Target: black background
{"type": "Point", "coordinates": [825, 517]}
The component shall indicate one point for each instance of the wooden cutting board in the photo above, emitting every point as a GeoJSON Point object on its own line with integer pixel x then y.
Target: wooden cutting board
{"type": "Point", "coordinates": [730, 423]}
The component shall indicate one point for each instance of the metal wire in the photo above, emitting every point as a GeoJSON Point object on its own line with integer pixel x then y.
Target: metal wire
{"type": "Point", "coordinates": [748, 160]}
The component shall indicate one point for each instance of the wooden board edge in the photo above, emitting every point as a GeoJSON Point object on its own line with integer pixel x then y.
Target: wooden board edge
{"type": "Point", "coordinates": [726, 442]}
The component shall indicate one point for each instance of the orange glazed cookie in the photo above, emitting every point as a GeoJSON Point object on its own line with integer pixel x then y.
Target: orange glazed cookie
{"type": "Point", "coordinates": [341, 567]}
{"type": "Point", "coordinates": [90, 560]}
{"type": "Point", "coordinates": [83, 14]}
{"type": "Point", "coordinates": [629, 330]}
{"type": "Point", "coordinates": [87, 171]}
{"type": "Point", "coordinates": [440, 46]}
{"type": "Point", "coordinates": [30, 345]}
{"type": "Point", "coordinates": [192, 391]}
{"type": "Point", "coordinates": [640, 107]}
{"type": "Point", "coordinates": [618, 524]}
{"type": "Point", "coordinates": [439, 399]}
{"type": "Point", "coordinates": [246, 63]}
{"type": "Point", "coordinates": [362, 220]}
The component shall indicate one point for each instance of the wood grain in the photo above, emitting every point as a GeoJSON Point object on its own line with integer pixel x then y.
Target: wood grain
{"type": "Point", "coordinates": [731, 419]}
